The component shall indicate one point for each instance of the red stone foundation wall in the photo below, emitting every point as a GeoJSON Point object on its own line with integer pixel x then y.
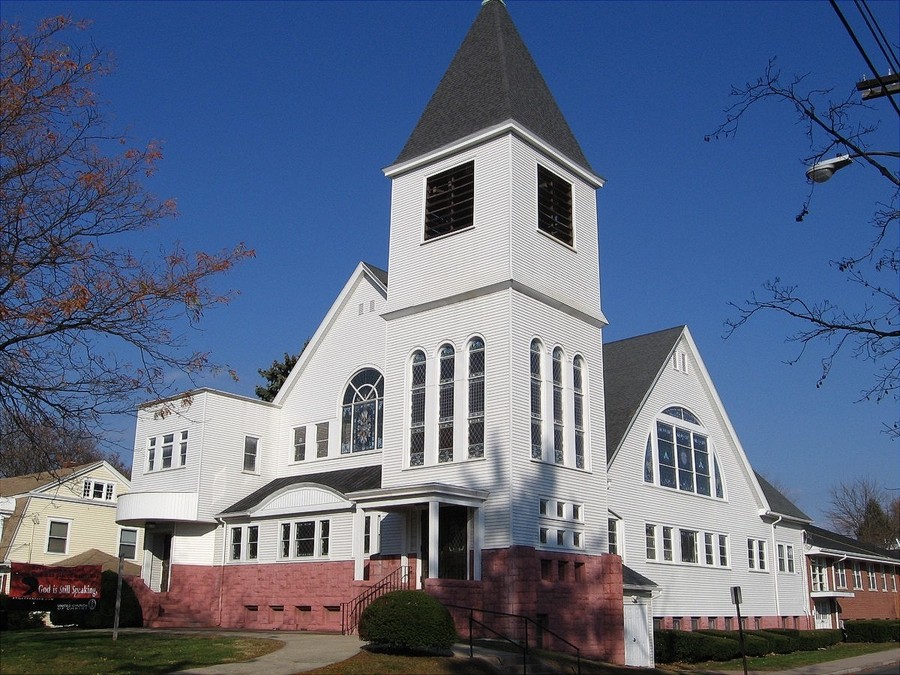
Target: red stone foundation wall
{"type": "Point", "coordinates": [800, 622]}
{"type": "Point", "coordinates": [578, 597]}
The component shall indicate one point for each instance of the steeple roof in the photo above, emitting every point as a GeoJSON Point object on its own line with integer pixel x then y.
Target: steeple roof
{"type": "Point", "coordinates": [491, 80]}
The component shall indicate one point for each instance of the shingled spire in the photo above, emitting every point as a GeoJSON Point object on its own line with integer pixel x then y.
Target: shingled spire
{"type": "Point", "coordinates": [491, 80]}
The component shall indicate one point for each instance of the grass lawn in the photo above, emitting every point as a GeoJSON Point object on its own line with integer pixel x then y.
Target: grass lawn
{"type": "Point", "coordinates": [842, 650]}
{"type": "Point", "coordinates": [75, 652]}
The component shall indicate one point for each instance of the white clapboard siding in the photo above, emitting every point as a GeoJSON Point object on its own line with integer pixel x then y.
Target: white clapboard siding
{"type": "Point", "coordinates": [693, 590]}
{"type": "Point", "coordinates": [196, 544]}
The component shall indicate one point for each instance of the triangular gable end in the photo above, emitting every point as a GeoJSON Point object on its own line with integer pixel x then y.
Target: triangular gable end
{"type": "Point", "coordinates": [362, 272]}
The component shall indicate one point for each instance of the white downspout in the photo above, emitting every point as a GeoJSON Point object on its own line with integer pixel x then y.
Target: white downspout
{"type": "Point", "coordinates": [775, 575]}
{"type": "Point", "coordinates": [221, 522]}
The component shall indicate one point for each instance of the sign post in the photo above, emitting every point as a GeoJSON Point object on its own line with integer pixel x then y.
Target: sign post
{"type": "Point", "coordinates": [736, 599]}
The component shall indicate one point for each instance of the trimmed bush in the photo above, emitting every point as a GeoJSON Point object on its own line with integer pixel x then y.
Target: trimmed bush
{"type": "Point", "coordinates": [18, 614]}
{"type": "Point", "coordinates": [691, 647]}
{"type": "Point", "coordinates": [104, 616]}
{"type": "Point", "coordinates": [408, 621]}
{"type": "Point", "coordinates": [809, 640]}
{"type": "Point", "coordinates": [872, 630]}
{"type": "Point", "coordinates": [754, 645]}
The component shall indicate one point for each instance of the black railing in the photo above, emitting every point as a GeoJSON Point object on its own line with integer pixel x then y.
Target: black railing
{"type": "Point", "coordinates": [524, 645]}
{"type": "Point", "coordinates": [351, 611]}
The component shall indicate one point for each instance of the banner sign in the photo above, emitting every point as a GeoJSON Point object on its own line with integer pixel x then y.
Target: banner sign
{"type": "Point", "coordinates": [40, 582]}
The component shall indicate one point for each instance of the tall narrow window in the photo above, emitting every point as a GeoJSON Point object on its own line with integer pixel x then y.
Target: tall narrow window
{"type": "Point", "coordinates": [537, 392]}
{"type": "Point", "coordinates": [648, 462]}
{"type": "Point", "coordinates": [578, 388]}
{"type": "Point", "coordinates": [476, 398]}
{"type": "Point", "coordinates": [322, 439]}
{"type": "Point", "coordinates": [667, 543]}
{"type": "Point", "coordinates": [168, 442]}
{"type": "Point", "coordinates": [151, 453]}
{"type": "Point", "coordinates": [688, 546]}
{"type": "Point", "coordinates": [612, 529]}
{"type": "Point", "coordinates": [445, 403]}
{"type": "Point", "coordinates": [299, 444]}
{"type": "Point", "coordinates": [363, 405]}
{"type": "Point", "coordinates": [554, 206]}
{"type": "Point", "coordinates": [128, 543]}
{"type": "Point", "coordinates": [183, 449]}
{"type": "Point", "coordinates": [450, 201]}
{"type": "Point", "coordinates": [236, 543]}
{"type": "Point", "coordinates": [559, 455]}
{"type": "Point", "coordinates": [650, 541]}
{"type": "Point", "coordinates": [251, 447]}
{"type": "Point", "coordinates": [304, 538]}
{"type": "Point", "coordinates": [324, 536]}
{"type": "Point", "coordinates": [708, 548]}
{"type": "Point", "coordinates": [58, 536]}
{"type": "Point", "coordinates": [252, 542]}
{"type": "Point", "coordinates": [417, 411]}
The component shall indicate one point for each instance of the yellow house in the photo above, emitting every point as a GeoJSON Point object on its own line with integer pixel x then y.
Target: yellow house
{"type": "Point", "coordinates": [50, 518]}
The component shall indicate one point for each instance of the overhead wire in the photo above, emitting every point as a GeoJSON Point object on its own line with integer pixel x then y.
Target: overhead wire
{"type": "Point", "coordinates": [872, 23]}
{"type": "Point", "coordinates": [862, 51]}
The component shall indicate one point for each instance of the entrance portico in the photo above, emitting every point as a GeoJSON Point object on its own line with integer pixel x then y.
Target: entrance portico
{"type": "Point", "coordinates": [444, 527]}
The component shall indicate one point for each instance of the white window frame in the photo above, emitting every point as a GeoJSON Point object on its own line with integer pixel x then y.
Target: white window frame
{"type": "Point", "coordinates": [321, 539]}
{"type": "Point", "coordinates": [122, 531]}
{"type": "Point", "coordinates": [107, 490]}
{"type": "Point", "coordinates": [873, 577]}
{"type": "Point", "coordinates": [162, 449]}
{"type": "Point", "coordinates": [67, 539]}
{"type": "Point", "coordinates": [299, 443]}
{"type": "Point", "coordinates": [857, 576]}
{"type": "Point", "coordinates": [756, 555]}
{"type": "Point", "coordinates": [840, 574]}
{"type": "Point", "coordinates": [246, 454]}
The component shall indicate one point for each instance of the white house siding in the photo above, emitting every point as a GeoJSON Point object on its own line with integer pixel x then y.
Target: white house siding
{"type": "Point", "coordinates": [564, 273]}
{"type": "Point", "coordinates": [531, 479]}
{"type": "Point", "coordinates": [92, 523]}
{"type": "Point", "coordinates": [422, 272]}
{"type": "Point", "coordinates": [196, 544]}
{"type": "Point", "coordinates": [349, 341]}
{"type": "Point", "coordinates": [792, 599]}
{"type": "Point", "coordinates": [455, 324]}
{"type": "Point", "coordinates": [692, 590]}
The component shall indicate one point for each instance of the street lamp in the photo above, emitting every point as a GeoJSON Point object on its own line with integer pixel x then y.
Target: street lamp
{"type": "Point", "coordinates": [822, 171]}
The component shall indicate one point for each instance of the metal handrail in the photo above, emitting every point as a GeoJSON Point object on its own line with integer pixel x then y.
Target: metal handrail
{"type": "Point", "coordinates": [526, 620]}
{"type": "Point", "coordinates": [352, 611]}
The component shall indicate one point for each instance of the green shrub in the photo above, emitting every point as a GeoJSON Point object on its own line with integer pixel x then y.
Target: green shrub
{"type": "Point", "coordinates": [691, 647]}
{"type": "Point", "coordinates": [778, 642]}
{"type": "Point", "coordinates": [408, 621]}
{"type": "Point", "coordinates": [104, 616]}
{"type": "Point", "coordinates": [754, 645]}
{"type": "Point", "coordinates": [872, 630]}
{"type": "Point", "coordinates": [18, 614]}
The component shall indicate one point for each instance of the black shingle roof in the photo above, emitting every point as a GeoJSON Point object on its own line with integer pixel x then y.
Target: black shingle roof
{"type": "Point", "coordinates": [778, 503]}
{"type": "Point", "coordinates": [632, 579]}
{"type": "Point", "coordinates": [492, 79]}
{"type": "Point", "coordinates": [630, 367]}
{"type": "Point", "coordinates": [823, 538]}
{"type": "Point", "coordinates": [344, 481]}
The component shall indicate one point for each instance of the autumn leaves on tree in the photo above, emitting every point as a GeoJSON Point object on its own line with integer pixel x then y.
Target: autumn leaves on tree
{"type": "Point", "coordinates": [85, 323]}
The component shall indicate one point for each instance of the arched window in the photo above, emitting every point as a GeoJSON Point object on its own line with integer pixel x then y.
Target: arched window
{"type": "Point", "coordinates": [559, 455]}
{"type": "Point", "coordinates": [683, 455]}
{"type": "Point", "coordinates": [362, 412]}
{"type": "Point", "coordinates": [476, 398]}
{"type": "Point", "coordinates": [537, 393]}
{"type": "Point", "coordinates": [417, 410]}
{"type": "Point", "coordinates": [578, 408]}
{"type": "Point", "coordinates": [447, 369]}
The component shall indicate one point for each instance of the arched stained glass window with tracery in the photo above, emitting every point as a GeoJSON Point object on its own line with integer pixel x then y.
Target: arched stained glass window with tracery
{"type": "Point", "coordinates": [363, 408]}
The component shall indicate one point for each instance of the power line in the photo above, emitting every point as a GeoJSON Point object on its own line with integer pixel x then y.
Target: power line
{"type": "Point", "coordinates": [877, 33]}
{"type": "Point", "coordinates": [864, 55]}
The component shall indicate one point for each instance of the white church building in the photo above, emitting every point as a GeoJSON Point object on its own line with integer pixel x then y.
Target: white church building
{"type": "Point", "coordinates": [447, 426]}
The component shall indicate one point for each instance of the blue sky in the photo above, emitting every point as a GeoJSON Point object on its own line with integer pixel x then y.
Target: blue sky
{"type": "Point", "coordinates": [277, 118]}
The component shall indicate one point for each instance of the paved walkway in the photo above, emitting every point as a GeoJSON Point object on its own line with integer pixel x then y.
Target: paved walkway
{"type": "Point", "coordinates": [304, 651]}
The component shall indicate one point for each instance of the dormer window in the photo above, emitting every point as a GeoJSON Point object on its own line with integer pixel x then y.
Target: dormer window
{"type": "Point", "coordinates": [98, 490]}
{"type": "Point", "coordinates": [450, 201]}
{"type": "Point", "coordinates": [554, 206]}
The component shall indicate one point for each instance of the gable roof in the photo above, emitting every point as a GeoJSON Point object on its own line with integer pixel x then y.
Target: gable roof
{"type": "Point", "coordinates": [822, 538]}
{"type": "Point", "coordinates": [778, 503]}
{"type": "Point", "coordinates": [630, 367]}
{"type": "Point", "coordinates": [20, 485]}
{"type": "Point", "coordinates": [491, 80]}
{"type": "Point", "coordinates": [342, 480]}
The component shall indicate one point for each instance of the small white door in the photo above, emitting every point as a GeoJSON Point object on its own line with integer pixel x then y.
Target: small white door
{"type": "Point", "coordinates": [638, 642]}
{"type": "Point", "coordinates": [823, 613]}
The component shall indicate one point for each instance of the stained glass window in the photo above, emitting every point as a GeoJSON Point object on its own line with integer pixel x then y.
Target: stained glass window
{"type": "Point", "coordinates": [447, 369]}
{"type": "Point", "coordinates": [537, 426]}
{"type": "Point", "coordinates": [361, 421]}
{"type": "Point", "coordinates": [578, 387]}
{"type": "Point", "coordinates": [417, 410]}
{"type": "Point", "coordinates": [476, 398]}
{"type": "Point", "coordinates": [558, 425]}
{"type": "Point", "coordinates": [683, 456]}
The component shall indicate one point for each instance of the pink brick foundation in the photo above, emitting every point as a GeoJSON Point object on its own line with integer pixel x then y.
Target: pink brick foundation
{"type": "Point", "coordinates": [578, 597]}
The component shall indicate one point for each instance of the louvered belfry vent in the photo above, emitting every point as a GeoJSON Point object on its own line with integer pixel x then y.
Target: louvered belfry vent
{"type": "Point", "coordinates": [450, 201]}
{"type": "Point", "coordinates": [555, 206]}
